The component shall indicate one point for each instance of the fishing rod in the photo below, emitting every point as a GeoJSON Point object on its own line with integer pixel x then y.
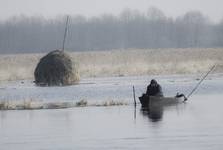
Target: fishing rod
{"type": "Point", "coordinates": [194, 89]}
{"type": "Point", "coordinates": [65, 33]}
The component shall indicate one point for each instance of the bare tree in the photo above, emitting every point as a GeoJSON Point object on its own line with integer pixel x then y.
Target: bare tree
{"type": "Point", "coordinates": [131, 29]}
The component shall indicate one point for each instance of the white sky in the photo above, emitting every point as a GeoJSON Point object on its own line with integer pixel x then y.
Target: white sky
{"type": "Point", "coordinates": [53, 8]}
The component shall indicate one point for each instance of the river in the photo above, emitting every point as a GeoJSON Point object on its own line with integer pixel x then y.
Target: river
{"type": "Point", "coordinates": [197, 124]}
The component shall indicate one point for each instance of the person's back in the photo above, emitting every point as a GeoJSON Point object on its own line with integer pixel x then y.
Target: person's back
{"type": "Point", "coordinates": [154, 89]}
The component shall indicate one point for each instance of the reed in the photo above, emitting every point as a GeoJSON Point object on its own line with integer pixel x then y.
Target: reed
{"type": "Point", "coordinates": [133, 62]}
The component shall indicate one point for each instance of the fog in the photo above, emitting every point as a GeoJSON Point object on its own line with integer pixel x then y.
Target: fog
{"type": "Point", "coordinates": [38, 26]}
{"type": "Point", "coordinates": [131, 29]}
{"type": "Point", "coordinates": [52, 8]}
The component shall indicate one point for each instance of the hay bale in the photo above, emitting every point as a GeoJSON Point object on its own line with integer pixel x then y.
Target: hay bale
{"type": "Point", "coordinates": [55, 69]}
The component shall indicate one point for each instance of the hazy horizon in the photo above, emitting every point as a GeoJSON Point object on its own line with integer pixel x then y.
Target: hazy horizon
{"type": "Point", "coordinates": [54, 8]}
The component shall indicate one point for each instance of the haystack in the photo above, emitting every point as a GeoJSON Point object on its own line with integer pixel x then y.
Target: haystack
{"type": "Point", "coordinates": [56, 69]}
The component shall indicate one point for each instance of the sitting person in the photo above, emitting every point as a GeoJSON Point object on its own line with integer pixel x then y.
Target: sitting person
{"type": "Point", "coordinates": [154, 89]}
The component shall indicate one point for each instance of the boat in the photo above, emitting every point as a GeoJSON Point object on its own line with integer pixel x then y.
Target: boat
{"type": "Point", "coordinates": [158, 101]}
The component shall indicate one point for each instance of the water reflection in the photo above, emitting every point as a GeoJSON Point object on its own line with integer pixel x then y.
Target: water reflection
{"type": "Point", "coordinates": [154, 114]}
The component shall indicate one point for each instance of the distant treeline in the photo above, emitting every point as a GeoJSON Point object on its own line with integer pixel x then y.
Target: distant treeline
{"type": "Point", "coordinates": [131, 29]}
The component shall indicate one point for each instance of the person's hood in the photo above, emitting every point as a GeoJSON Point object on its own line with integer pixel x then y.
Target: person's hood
{"type": "Point", "coordinates": [153, 81]}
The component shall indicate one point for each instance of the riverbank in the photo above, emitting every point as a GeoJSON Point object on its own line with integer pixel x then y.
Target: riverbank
{"type": "Point", "coordinates": [121, 63]}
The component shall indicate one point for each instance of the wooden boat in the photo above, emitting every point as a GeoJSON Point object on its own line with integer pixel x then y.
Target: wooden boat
{"type": "Point", "coordinates": [157, 101]}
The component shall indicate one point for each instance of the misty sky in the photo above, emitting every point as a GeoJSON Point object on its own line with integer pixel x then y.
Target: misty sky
{"type": "Point", "coordinates": [52, 8]}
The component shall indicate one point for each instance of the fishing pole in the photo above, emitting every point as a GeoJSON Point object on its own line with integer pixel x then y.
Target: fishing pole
{"type": "Point", "coordinates": [194, 89]}
{"type": "Point", "coordinates": [65, 33]}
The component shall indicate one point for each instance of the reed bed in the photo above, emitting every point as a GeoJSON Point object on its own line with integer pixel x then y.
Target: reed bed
{"type": "Point", "coordinates": [133, 62]}
{"type": "Point", "coordinates": [36, 104]}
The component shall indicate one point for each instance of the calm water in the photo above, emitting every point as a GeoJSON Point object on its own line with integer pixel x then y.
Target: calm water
{"type": "Point", "coordinates": [198, 124]}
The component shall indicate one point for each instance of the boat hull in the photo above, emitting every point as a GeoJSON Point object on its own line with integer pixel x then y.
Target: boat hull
{"type": "Point", "coordinates": [157, 101]}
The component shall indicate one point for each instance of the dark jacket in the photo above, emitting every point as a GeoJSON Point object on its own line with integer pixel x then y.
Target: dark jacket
{"type": "Point", "coordinates": [154, 89]}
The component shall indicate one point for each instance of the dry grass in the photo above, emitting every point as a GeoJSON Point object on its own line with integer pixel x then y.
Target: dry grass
{"type": "Point", "coordinates": [20, 105]}
{"type": "Point", "coordinates": [121, 62]}
{"type": "Point", "coordinates": [36, 104]}
{"type": "Point", "coordinates": [81, 103]}
{"type": "Point", "coordinates": [111, 103]}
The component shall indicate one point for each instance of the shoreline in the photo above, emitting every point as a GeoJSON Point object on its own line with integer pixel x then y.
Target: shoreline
{"type": "Point", "coordinates": [109, 91]}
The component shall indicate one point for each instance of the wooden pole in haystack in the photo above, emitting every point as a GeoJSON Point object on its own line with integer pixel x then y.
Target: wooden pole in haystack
{"type": "Point", "coordinates": [65, 33]}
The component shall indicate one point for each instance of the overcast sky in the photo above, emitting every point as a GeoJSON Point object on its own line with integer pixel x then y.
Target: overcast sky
{"type": "Point", "coordinates": [52, 8]}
